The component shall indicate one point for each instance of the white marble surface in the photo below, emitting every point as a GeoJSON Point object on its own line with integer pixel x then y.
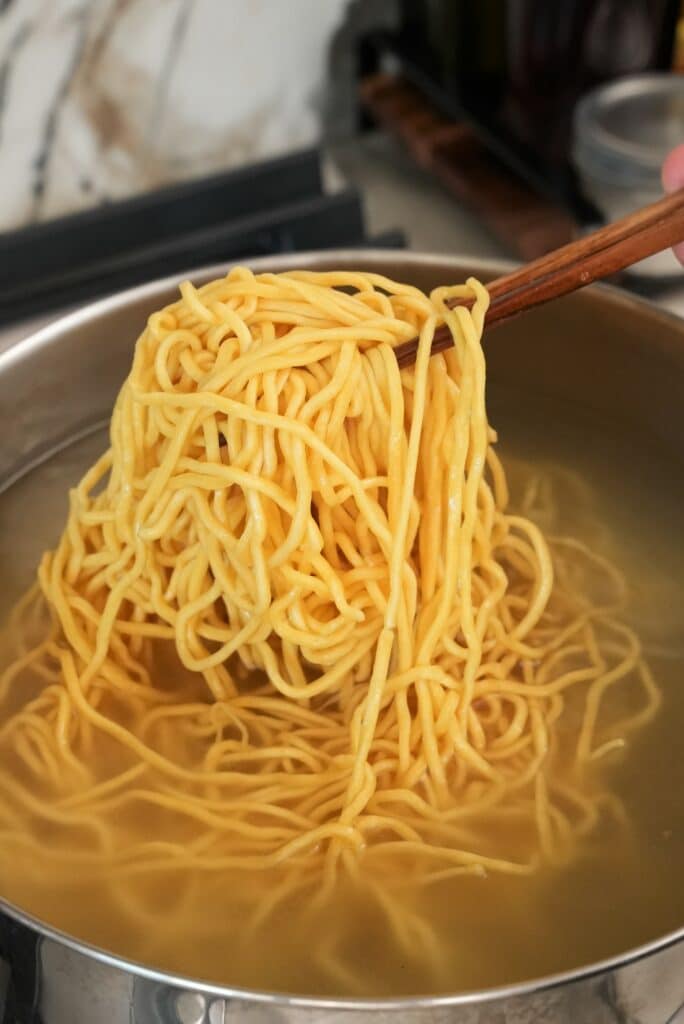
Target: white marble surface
{"type": "Point", "coordinates": [101, 99]}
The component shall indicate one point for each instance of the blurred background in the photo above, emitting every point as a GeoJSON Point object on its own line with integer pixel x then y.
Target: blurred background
{"type": "Point", "coordinates": [142, 137]}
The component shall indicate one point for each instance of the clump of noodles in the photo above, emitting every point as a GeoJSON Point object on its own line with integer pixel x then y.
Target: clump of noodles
{"type": "Point", "coordinates": [291, 613]}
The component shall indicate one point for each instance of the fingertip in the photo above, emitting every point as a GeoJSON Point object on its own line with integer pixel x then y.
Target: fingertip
{"type": "Point", "coordinates": [673, 170]}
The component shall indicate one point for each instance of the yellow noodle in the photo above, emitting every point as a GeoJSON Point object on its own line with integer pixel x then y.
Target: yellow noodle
{"type": "Point", "coordinates": [372, 660]}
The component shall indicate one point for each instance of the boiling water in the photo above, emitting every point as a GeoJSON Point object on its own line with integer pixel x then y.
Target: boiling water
{"type": "Point", "coordinates": [490, 931]}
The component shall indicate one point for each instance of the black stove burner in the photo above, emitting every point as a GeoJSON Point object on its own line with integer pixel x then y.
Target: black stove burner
{"type": "Point", "coordinates": [273, 207]}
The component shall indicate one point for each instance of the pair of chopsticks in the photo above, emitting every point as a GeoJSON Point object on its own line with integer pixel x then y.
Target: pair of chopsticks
{"type": "Point", "coordinates": [618, 245]}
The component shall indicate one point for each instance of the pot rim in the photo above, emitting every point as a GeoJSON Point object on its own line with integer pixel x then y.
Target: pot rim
{"type": "Point", "coordinates": [296, 1000]}
{"type": "Point", "coordinates": [374, 259]}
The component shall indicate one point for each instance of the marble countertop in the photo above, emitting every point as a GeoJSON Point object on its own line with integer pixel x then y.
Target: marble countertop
{"type": "Point", "coordinates": [103, 99]}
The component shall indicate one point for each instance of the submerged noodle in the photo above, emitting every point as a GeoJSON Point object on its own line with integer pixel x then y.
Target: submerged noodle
{"type": "Point", "coordinates": [291, 614]}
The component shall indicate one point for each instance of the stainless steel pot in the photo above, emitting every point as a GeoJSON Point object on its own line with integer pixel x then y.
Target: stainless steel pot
{"type": "Point", "coordinates": [613, 353]}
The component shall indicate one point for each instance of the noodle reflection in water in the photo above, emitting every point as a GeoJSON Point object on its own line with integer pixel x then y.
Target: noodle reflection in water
{"type": "Point", "coordinates": [294, 628]}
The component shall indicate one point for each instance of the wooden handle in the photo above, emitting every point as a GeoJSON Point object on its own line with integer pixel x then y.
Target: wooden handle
{"type": "Point", "coordinates": [622, 244]}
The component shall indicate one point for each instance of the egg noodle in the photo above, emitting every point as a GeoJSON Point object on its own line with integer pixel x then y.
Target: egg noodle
{"type": "Point", "coordinates": [291, 615]}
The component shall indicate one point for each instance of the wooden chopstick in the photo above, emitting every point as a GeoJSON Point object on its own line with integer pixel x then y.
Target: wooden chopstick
{"type": "Point", "coordinates": [618, 245]}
